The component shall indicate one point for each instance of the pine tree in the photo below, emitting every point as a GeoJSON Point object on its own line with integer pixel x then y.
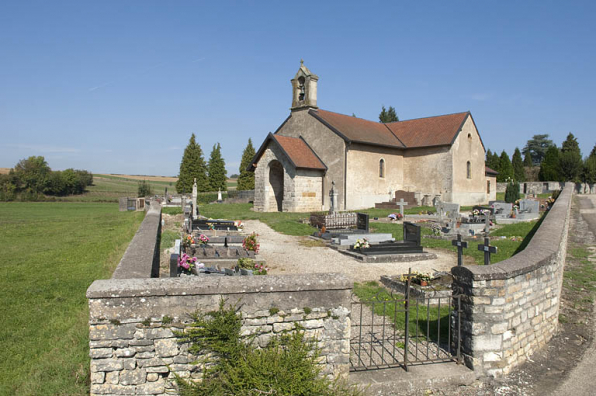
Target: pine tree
{"type": "Point", "coordinates": [217, 170]}
{"type": "Point", "coordinates": [549, 168]}
{"type": "Point", "coordinates": [519, 173]}
{"type": "Point", "coordinates": [505, 168]}
{"type": "Point", "coordinates": [589, 171]}
{"type": "Point", "coordinates": [192, 166]}
{"type": "Point", "coordinates": [570, 160]}
{"type": "Point", "coordinates": [388, 115]}
{"type": "Point", "coordinates": [246, 180]}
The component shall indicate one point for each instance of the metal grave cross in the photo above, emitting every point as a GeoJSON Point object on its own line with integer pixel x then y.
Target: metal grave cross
{"type": "Point", "coordinates": [488, 250]}
{"type": "Point", "coordinates": [401, 205]}
{"type": "Point", "coordinates": [460, 248]}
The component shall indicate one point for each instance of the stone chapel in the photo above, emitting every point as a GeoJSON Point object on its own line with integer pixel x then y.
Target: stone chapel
{"type": "Point", "coordinates": [435, 157]}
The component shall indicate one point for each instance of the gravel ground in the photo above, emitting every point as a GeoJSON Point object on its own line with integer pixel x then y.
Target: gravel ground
{"type": "Point", "coordinates": [286, 254]}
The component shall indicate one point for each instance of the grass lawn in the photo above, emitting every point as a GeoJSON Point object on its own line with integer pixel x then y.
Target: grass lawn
{"type": "Point", "coordinates": [49, 255]}
{"type": "Point", "coordinates": [420, 316]}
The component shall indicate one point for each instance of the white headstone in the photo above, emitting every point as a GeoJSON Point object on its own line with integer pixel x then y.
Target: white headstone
{"type": "Point", "coordinates": [195, 209]}
{"type": "Point", "coordinates": [219, 198]}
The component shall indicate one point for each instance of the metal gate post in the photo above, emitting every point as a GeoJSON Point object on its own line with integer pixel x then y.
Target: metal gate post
{"type": "Point", "coordinates": [407, 307]}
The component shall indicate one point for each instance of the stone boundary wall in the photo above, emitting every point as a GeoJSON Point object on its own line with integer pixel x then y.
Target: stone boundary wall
{"type": "Point", "coordinates": [134, 351]}
{"type": "Point", "coordinates": [141, 259]}
{"type": "Point", "coordinates": [510, 309]}
{"type": "Point", "coordinates": [548, 187]}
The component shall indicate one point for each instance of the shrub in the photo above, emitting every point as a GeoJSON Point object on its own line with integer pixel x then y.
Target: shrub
{"type": "Point", "coordinates": [144, 189]}
{"type": "Point", "coordinates": [512, 192]}
{"type": "Point", "coordinates": [286, 366]}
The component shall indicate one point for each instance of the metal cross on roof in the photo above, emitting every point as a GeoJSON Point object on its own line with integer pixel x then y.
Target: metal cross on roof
{"type": "Point", "coordinates": [460, 248]}
{"type": "Point", "coordinates": [487, 249]}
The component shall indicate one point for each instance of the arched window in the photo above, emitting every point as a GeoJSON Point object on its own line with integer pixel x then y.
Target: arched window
{"type": "Point", "coordinates": [469, 170]}
{"type": "Point", "coordinates": [382, 168]}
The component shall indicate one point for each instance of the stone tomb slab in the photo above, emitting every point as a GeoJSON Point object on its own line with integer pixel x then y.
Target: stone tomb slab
{"type": "Point", "coordinates": [502, 209]}
{"type": "Point", "coordinates": [350, 239]}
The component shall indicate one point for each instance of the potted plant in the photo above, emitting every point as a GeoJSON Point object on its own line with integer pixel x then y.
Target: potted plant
{"type": "Point", "coordinates": [245, 265]}
{"type": "Point", "coordinates": [423, 279]}
{"type": "Point", "coordinates": [260, 269]}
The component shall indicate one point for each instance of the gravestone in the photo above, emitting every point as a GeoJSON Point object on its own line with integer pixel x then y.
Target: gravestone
{"type": "Point", "coordinates": [195, 208]}
{"type": "Point", "coordinates": [461, 245]}
{"type": "Point", "coordinates": [448, 209]}
{"type": "Point", "coordinates": [529, 206]}
{"type": "Point", "coordinates": [401, 205]}
{"type": "Point", "coordinates": [502, 209]}
{"type": "Point", "coordinates": [362, 221]}
{"type": "Point", "coordinates": [410, 244]}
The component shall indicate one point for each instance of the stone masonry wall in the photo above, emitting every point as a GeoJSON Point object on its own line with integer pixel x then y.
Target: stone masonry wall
{"type": "Point", "coordinates": [510, 309]}
{"type": "Point", "coordinates": [141, 258]}
{"type": "Point", "coordinates": [133, 348]}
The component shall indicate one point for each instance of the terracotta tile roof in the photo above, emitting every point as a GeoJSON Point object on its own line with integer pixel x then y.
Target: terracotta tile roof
{"type": "Point", "coordinates": [422, 132]}
{"type": "Point", "coordinates": [296, 149]}
{"type": "Point", "coordinates": [358, 130]}
{"type": "Point", "coordinates": [431, 131]}
{"type": "Point", "coordinates": [489, 171]}
{"type": "Point", "coordinates": [299, 152]}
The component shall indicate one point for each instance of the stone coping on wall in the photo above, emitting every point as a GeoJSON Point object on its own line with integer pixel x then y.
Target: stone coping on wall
{"type": "Point", "coordinates": [544, 244]}
{"type": "Point", "coordinates": [141, 258]}
{"type": "Point", "coordinates": [191, 285]}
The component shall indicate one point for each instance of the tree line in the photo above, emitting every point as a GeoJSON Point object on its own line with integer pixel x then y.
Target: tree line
{"type": "Point", "coordinates": [32, 178]}
{"type": "Point", "coordinates": [211, 175]}
{"type": "Point", "coordinates": [553, 163]}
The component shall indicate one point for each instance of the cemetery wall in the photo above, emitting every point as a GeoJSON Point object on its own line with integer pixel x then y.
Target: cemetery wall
{"type": "Point", "coordinates": [468, 147]}
{"type": "Point", "coordinates": [492, 188]}
{"type": "Point", "coordinates": [330, 148]}
{"type": "Point", "coordinates": [510, 309]}
{"type": "Point", "coordinates": [134, 350]}
{"type": "Point", "coordinates": [548, 187]}
{"type": "Point", "coordinates": [364, 184]}
{"type": "Point", "coordinates": [141, 258]}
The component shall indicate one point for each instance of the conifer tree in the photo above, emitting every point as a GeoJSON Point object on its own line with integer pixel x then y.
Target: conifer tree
{"type": "Point", "coordinates": [505, 168]}
{"type": "Point", "coordinates": [593, 152]}
{"type": "Point", "coordinates": [512, 192]}
{"type": "Point", "coordinates": [589, 171]}
{"type": "Point", "coordinates": [528, 160]}
{"type": "Point", "coordinates": [388, 115]}
{"type": "Point", "coordinates": [570, 160]}
{"type": "Point", "coordinates": [246, 180]}
{"type": "Point", "coordinates": [492, 160]}
{"type": "Point", "coordinates": [218, 175]}
{"type": "Point", "coordinates": [192, 166]}
{"type": "Point", "coordinates": [519, 173]}
{"type": "Point", "coordinates": [537, 147]}
{"type": "Point", "coordinates": [549, 168]}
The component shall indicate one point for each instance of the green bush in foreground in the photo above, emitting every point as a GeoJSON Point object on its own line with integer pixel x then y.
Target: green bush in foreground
{"type": "Point", "coordinates": [287, 366]}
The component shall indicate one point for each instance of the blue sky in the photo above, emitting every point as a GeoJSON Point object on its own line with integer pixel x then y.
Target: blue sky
{"type": "Point", "coordinates": [114, 86]}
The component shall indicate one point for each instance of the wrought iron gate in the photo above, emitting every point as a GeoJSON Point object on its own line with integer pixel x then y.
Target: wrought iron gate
{"type": "Point", "coordinates": [393, 331]}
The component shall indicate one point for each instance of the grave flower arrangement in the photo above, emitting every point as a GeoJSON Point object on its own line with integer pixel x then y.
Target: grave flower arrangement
{"type": "Point", "coordinates": [436, 228]}
{"type": "Point", "coordinates": [187, 263]}
{"type": "Point", "coordinates": [239, 225]}
{"type": "Point", "coordinates": [361, 244]}
{"type": "Point", "coordinates": [188, 240]}
{"type": "Point", "coordinates": [203, 239]}
{"type": "Point", "coordinates": [251, 243]}
{"type": "Point", "coordinates": [260, 269]}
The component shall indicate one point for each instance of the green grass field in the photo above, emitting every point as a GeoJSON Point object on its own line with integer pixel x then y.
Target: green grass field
{"type": "Point", "coordinates": [49, 255]}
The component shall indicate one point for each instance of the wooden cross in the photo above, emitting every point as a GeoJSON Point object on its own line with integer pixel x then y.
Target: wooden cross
{"type": "Point", "coordinates": [487, 249]}
{"type": "Point", "coordinates": [460, 248]}
{"type": "Point", "coordinates": [401, 205]}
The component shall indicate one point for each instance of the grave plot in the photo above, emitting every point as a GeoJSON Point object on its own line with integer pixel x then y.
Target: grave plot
{"type": "Point", "coordinates": [409, 249]}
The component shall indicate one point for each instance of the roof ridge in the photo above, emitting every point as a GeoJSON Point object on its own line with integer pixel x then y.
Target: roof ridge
{"type": "Point", "coordinates": [423, 118]}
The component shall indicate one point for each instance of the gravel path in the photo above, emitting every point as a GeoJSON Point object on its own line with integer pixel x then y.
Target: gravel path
{"type": "Point", "coordinates": [286, 254]}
